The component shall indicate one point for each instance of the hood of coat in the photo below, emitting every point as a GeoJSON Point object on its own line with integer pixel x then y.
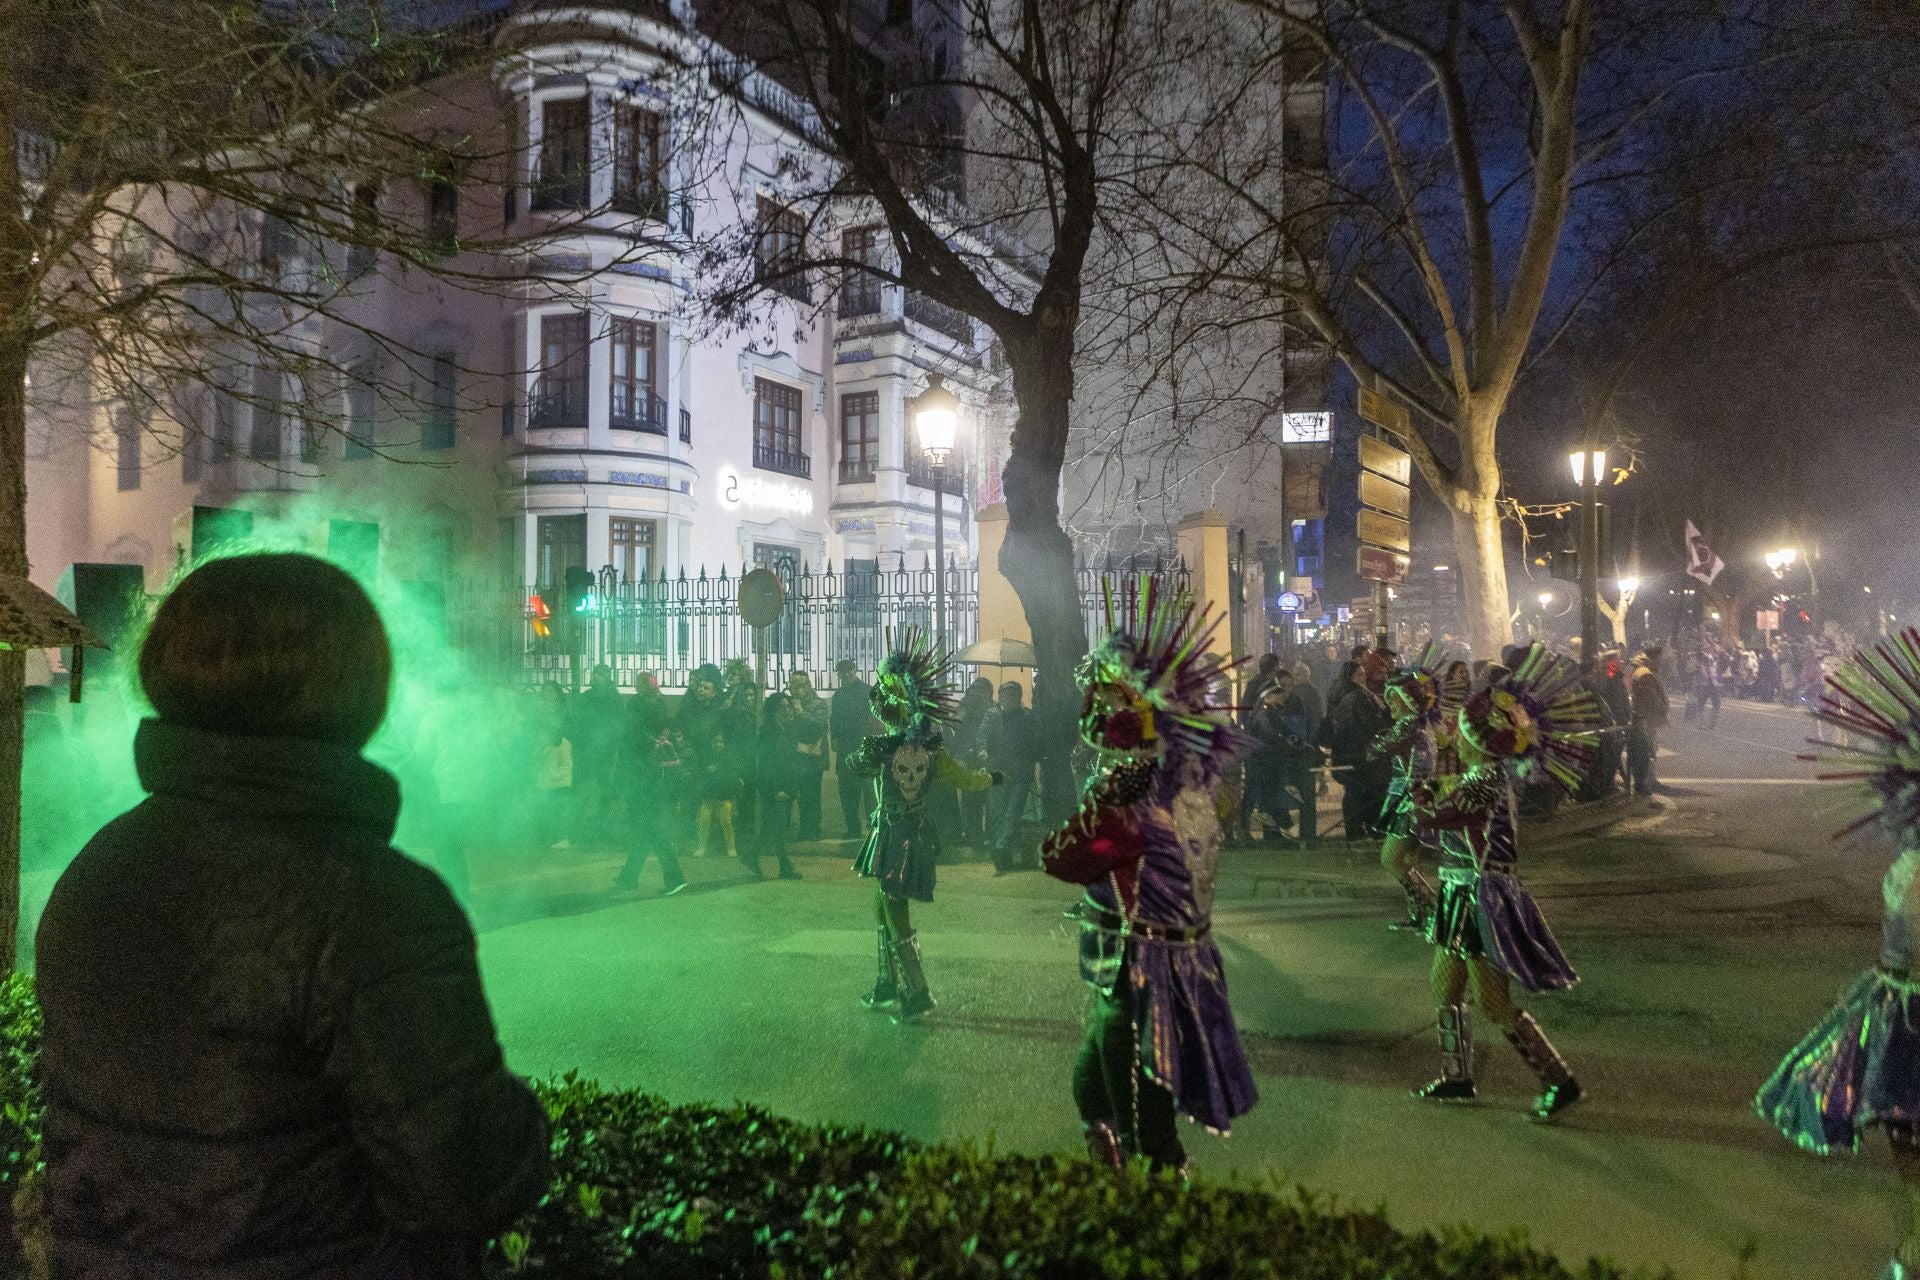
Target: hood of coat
{"type": "Point", "coordinates": [266, 777]}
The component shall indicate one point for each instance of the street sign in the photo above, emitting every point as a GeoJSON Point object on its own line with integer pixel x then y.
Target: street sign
{"type": "Point", "coordinates": [1288, 602]}
{"type": "Point", "coordinates": [1382, 412]}
{"type": "Point", "coordinates": [1378, 456]}
{"type": "Point", "coordinates": [761, 597]}
{"type": "Point", "coordinates": [1377, 565]}
{"type": "Point", "coordinates": [1382, 530]}
{"type": "Point", "coordinates": [1382, 494]}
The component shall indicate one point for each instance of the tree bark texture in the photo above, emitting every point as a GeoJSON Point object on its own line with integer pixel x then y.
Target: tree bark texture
{"type": "Point", "coordinates": [13, 667]}
{"type": "Point", "coordinates": [1037, 556]}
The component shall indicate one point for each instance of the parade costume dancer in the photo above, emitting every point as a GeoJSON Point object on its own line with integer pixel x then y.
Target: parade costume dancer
{"type": "Point", "coordinates": [1860, 1067]}
{"type": "Point", "coordinates": [912, 700]}
{"type": "Point", "coordinates": [1423, 706]}
{"type": "Point", "coordinates": [1146, 844]}
{"type": "Point", "coordinates": [1486, 928]}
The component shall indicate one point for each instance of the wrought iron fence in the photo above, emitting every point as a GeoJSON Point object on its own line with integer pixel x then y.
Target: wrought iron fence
{"type": "Point", "coordinates": [667, 627]}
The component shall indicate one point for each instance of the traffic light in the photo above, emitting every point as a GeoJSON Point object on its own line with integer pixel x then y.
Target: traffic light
{"type": "Point", "coordinates": [1563, 550]}
{"type": "Point", "coordinates": [577, 591]}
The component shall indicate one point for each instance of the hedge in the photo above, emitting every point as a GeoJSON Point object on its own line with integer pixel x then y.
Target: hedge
{"type": "Point", "coordinates": [643, 1188]}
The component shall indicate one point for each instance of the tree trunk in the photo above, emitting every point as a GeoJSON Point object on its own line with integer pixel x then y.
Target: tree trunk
{"type": "Point", "coordinates": [1037, 559]}
{"type": "Point", "coordinates": [1483, 564]}
{"type": "Point", "coordinates": [13, 667]}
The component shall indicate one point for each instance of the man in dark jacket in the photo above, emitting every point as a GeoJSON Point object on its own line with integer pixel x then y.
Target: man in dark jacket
{"type": "Point", "coordinates": [1354, 719]}
{"type": "Point", "coordinates": [850, 720]}
{"type": "Point", "coordinates": [267, 1052]}
{"type": "Point", "coordinates": [1013, 751]}
{"type": "Point", "coordinates": [1647, 719]}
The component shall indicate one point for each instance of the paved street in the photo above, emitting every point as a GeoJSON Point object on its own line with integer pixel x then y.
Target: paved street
{"type": "Point", "coordinates": [1710, 930]}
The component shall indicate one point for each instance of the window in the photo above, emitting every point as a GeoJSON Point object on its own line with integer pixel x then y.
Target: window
{"type": "Point", "coordinates": [633, 542]}
{"type": "Point", "coordinates": [226, 425]}
{"type": "Point", "coordinates": [437, 431]}
{"type": "Point", "coordinates": [776, 429]}
{"type": "Point", "coordinates": [128, 425]}
{"type": "Point", "coordinates": [639, 172]}
{"type": "Point", "coordinates": [565, 161]}
{"type": "Point", "coordinates": [311, 429]}
{"type": "Point", "coordinates": [562, 544]}
{"type": "Point", "coordinates": [860, 292]}
{"type": "Point", "coordinates": [361, 424]}
{"type": "Point", "coordinates": [443, 215]}
{"type": "Point", "coordinates": [277, 249]}
{"type": "Point", "coordinates": [686, 425]}
{"type": "Point", "coordinates": [635, 406]}
{"type": "Point", "coordinates": [560, 392]}
{"type": "Point", "coordinates": [269, 417]}
{"type": "Point", "coordinates": [859, 435]}
{"type": "Point", "coordinates": [361, 253]}
{"type": "Point", "coordinates": [779, 249]}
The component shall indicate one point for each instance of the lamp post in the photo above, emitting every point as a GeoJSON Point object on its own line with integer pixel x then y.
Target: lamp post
{"type": "Point", "coordinates": [1589, 465]}
{"type": "Point", "coordinates": [936, 420]}
{"type": "Point", "coordinates": [1784, 559]}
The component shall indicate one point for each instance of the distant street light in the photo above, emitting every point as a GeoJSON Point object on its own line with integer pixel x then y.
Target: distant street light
{"type": "Point", "coordinates": [1629, 586]}
{"type": "Point", "coordinates": [1546, 598]}
{"type": "Point", "coordinates": [1589, 466]}
{"type": "Point", "coordinates": [936, 419]}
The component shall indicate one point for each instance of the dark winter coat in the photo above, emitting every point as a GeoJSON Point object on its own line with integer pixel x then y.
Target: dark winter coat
{"type": "Point", "coordinates": [267, 1053]}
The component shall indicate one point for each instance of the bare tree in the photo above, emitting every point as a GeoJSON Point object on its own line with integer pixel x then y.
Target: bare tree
{"type": "Point", "coordinates": [1003, 148]}
{"type": "Point", "coordinates": [196, 199]}
{"type": "Point", "coordinates": [1475, 148]}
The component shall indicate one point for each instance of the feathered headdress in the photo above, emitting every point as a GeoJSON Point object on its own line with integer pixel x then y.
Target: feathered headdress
{"type": "Point", "coordinates": [1422, 683]}
{"type": "Point", "coordinates": [1540, 714]}
{"type": "Point", "coordinates": [911, 690]}
{"type": "Point", "coordinates": [1156, 651]}
{"type": "Point", "coordinates": [1877, 696]}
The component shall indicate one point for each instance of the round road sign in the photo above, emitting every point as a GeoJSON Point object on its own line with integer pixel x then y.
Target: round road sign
{"type": "Point", "coordinates": [1288, 602]}
{"type": "Point", "coordinates": [761, 597]}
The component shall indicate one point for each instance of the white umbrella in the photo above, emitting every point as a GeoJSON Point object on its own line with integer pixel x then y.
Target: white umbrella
{"type": "Point", "coordinates": [1001, 652]}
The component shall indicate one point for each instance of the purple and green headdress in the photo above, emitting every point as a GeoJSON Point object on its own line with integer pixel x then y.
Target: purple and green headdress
{"type": "Point", "coordinates": [1541, 714]}
{"type": "Point", "coordinates": [1157, 654]}
{"type": "Point", "coordinates": [1876, 696]}
{"type": "Point", "coordinates": [1422, 686]}
{"type": "Point", "coordinates": [912, 691]}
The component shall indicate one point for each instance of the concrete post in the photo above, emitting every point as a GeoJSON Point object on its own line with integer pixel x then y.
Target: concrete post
{"type": "Point", "coordinates": [1001, 614]}
{"type": "Point", "coordinates": [1203, 545]}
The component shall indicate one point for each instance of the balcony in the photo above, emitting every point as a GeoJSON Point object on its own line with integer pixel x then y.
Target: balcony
{"type": "Point", "coordinates": [940, 318]}
{"type": "Point", "coordinates": [556, 406]}
{"type": "Point", "coordinates": [563, 190]}
{"type": "Point", "coordinates": [860, 298]}
{"type": "Point", "coordinates": [951, 479]}
{"type": "Point", "coordinates": [856, 471]}
{"type": "Point", "coordinates": [638, 410]}
{"type": "Point", "coordinates": [788, 462]}
{"type": "Point", "coordinates": [646, 200]}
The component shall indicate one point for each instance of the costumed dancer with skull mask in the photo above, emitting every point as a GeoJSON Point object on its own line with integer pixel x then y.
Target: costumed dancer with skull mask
{"type": "Point", "coordinates": [1145, 844]}
{"type": "Point", "coordinates": [913, 700]}
{"type": "Point", "coordinates": [1859, 1068]}
{"type": "Point", "coordinates": [1424, 698]}
{"type": "Point", "coordinates": [1486, 928]}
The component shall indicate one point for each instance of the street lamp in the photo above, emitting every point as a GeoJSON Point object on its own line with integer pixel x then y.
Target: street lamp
{"type": "Point", "coordinates": [1782, 560]}
{"type": "Point", "coordinates": [936, 420]}
{"type": "Point", "coordinates": [1589, 465]}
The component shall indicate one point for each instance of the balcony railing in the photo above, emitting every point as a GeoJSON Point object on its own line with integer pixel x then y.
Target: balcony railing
{"type": "Point", "coordinates": [638, 411]}
{"type": "Point", "coordinates": [860, 299]}
{"type": "Point", "coordinates": [940, 318]}
{"type": "Point", "coordinates": [648, 200]}
{"type": "Point", "coordinates": [557, 405]}
{"type": "Point", "coordinates": [951, 479]}
{"type": "Point", "coordinates": [566, 189]}
{"type": "Point", "coordinates": [788, 462]}
{"type": "Point", "coordinates": [856, 471]}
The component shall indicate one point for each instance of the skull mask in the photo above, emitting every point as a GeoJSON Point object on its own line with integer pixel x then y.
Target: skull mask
{"type": "Point", "coordinates": [911, 765]}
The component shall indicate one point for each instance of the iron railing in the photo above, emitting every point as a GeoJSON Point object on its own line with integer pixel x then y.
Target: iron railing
{"type": "Point", "coordinates": [637, 410]}
{"type": "Point", "coordinates": [788, 462]}
{"type": "Point", "coordinates": [939, 317]}
{"type": "Point", "coordinates": [555, 404]}
{"type": "Point", "coordinates": [664, 628]}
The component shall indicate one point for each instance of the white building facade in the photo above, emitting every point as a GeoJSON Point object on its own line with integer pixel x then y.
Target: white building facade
{"type": "Point", "coordinates": [566, 404]}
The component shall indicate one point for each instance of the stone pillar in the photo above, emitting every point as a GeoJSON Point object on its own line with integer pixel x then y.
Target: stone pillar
{"type": "Point", "coordinates": [1203, 545]}
{"type": "Point", "coordinates": [1001, 614]}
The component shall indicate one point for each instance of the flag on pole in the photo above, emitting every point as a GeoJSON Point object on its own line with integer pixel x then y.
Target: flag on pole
{"type": "Point", "coordinates": [1701, 562]}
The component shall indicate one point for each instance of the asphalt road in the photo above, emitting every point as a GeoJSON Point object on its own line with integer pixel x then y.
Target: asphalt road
{"type": "Point", "coordinates": [1711, 928]}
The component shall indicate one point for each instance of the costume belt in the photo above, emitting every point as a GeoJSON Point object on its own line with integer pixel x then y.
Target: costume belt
{"type": "Point", "coordinates": [1114, 922]}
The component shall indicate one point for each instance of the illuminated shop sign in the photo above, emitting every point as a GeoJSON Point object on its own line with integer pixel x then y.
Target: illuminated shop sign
{"type": "Point", "coordinates": [1306, 428]}
{"type": "Point", "coordinates": [737, 490]}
